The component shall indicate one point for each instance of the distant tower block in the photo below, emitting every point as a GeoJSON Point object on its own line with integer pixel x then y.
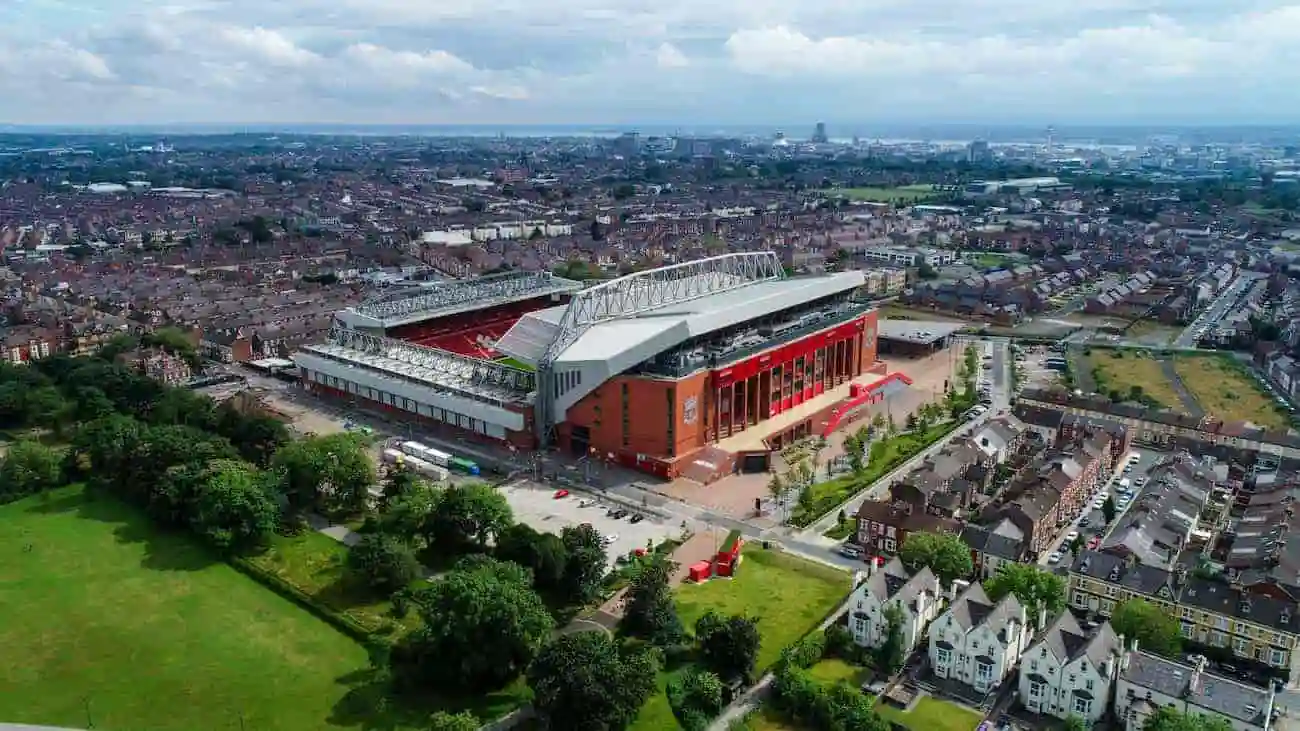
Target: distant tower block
{"type": "Point", "coordinates": [819, 133]}
{"type": "Point", "coordinates": [1051, 139]}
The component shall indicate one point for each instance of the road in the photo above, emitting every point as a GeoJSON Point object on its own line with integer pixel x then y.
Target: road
{"type": "Point", "coordinates": [1000, 392]}
{"type": "Point", "coordinates": [1096, 521]}
{"type": "Point", "coordinates": [1217, 309]}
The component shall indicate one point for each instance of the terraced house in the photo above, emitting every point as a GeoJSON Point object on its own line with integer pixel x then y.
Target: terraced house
{"type": "Point", "coordinates": [1256, 627]}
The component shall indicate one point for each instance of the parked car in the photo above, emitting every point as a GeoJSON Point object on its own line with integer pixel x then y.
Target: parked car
{"type": "Point", "coordinates": [1054, 557]}
{"type": "Point", "coordinates": [850, 550]}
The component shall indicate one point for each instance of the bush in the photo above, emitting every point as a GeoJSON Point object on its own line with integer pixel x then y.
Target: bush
{"type": "Point", "coordinates": [338, 620]}
{"type": "Point", "coordinates": [385, 563]}
{"type": "Point", "coordinates": [806, 652]}
{"type": "Point", "coordinates": [839, 642]}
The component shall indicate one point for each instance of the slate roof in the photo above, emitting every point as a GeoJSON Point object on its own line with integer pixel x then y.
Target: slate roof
{"type": "Point", "coordinates": [1214, 693]}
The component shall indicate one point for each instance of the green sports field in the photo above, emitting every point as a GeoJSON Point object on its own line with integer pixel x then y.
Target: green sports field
{"type": "Point", "coordinates": [107, 624]}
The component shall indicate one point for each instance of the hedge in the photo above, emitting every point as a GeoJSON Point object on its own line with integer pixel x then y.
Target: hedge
{"type": "Point", "coordinates": [338, 620]}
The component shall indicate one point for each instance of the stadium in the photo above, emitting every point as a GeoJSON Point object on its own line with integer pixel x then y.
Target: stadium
{"type": "Point", "coordinates": [726, 354]}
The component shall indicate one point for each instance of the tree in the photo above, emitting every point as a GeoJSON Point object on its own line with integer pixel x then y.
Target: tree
{"type": "Point", "coordinates": [482, 625]}
{"type": "Point", "coordinates": [696, 698]}
{"type": "Point", "coordinates": [944, 553]}
{"type": "Point", "coordinates": [399, 482]}
{"type": "Point", "coordinates": [1169, 718]}
{"type": "Point", "coordinates": [585, 565]}
{"type": "Point", "coordinates": [1034, 588]}
{"type": "Point", "coordinates": [256, 436]}
{"type": "Point", "coordinates": [728, 645]}
{"type": "Point", "coordinates": [651, 613]}
{"type": "Point", "coordinates": [463, 721]}
{"type": "Point", "coordinates": [407, 517]}
{"type": "Point", "coordinates": [891, 654]}
{"type": "Point", "coordinates": [233, 509]}
{"type": "Point", "coordinates": [776, 488]}
{"type": "Point", "coordinates": [1075, 723]}
{"type": "Point", "coordinates": [1108, 509]}
{"type": "Point", "coordinates": [29, 467]}
{"type": "Point", "coordinates": [385, 563]}
{"type": "Point", "coordinates": [331, 472]}
{"type": "Point", "coordinates": [542, 553]}
{"type": "Point", "coordinates": [878, 421]}
{"type": "Point", "coordinates": [467, 517]}
{"type": "Point", "coordinates": [1149, 625]}
{"type": "Point", "coordinates": [586, 682]}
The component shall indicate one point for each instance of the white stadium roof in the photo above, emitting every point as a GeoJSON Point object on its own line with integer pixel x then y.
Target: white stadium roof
{"type": "Point", "coordinates": [603, 331]}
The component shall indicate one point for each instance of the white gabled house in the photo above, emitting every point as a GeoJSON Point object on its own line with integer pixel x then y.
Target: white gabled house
{"type": "Point", "coordinates": [1067, 673]}
{"type": "Point", "coordinates": [917, 596]}
{"type": "Point", "coordinates": [978, 641]}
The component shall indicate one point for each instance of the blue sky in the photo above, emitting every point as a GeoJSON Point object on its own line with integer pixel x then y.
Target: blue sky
{"type": "Point", "coordinates": [667, 61]}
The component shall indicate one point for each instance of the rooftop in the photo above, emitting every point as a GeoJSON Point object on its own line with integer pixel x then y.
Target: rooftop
{"type": "Point", "coordinates": [922, 332]}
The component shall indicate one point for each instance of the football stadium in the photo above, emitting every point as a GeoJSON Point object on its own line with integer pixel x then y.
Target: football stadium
{"type": "Point", "coordinates": [726, 354]}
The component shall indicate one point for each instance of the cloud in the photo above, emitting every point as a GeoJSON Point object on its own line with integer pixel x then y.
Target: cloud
{"type": "Point", "coordinates": [676, 61]}
{"type": "Point", "coordinates": [670, 57]}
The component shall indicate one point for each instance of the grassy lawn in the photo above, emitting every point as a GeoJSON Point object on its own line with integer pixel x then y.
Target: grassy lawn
{"type": "Point", "coordinates": [932, 714]}
{"type": "Point", "coordinates": [833, 670]}
{"type": "Point", "coordinates": [508, 361]}
{"type": "Point", "coordinates": [106, 619]}
{"type": "Point", "coordinates": [986, 259]}
{"type": "Point", "coordinates": [137, 629]}
{"type": "Point", "coordinates": [884, 195]}
{"type": "Point", "coordinates": [1121, 370]}
{"type": "Point", "coordinates": [789, 596]}
{"type": "Point", "coordinates": [315, 563]}
{"type": "Point", "coordinates": [1222, 388]}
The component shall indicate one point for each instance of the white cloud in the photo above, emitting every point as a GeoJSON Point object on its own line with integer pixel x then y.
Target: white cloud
{"type": "Point", "coordinates": [502, 61]}
{"type": "Point", "coordinates": [268, 46]}
{"type": "Point", "coordinates": [670, 57]}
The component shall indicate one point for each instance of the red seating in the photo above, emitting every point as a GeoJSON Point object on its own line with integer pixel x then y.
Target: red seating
{"type": "Point", "coordinates": [462, 333]}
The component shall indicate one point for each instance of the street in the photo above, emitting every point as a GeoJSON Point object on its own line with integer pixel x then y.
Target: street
{"type": "Point", "coordinates": [1091, 521]}
{"type": "Point", "coordinates": [1215, 312]}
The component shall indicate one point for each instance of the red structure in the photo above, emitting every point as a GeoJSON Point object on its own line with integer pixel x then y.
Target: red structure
{"type": "Point", "coordinates": [469, 333]}
{"type": "Point", "coordinates": [861, 396]}
{"type": "Point", "coordinates": [728, 559]}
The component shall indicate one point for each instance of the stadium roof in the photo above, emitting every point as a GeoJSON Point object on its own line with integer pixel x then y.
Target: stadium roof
{"type": "Point", "coordinates": [603, 349]}
{"type": "Point", "coordinates": [920, 332]}
{"type": "Point", "coordinates": [453, 296]}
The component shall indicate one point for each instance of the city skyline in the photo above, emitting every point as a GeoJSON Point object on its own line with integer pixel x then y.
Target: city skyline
{"type": "Point", "coordinates": [597, 62]}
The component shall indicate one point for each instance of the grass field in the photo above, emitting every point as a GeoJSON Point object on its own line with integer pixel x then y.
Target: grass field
{"type": "Point", "coordinates": [1121, 370]}
{"type": "Point", "coordinates": [789, 596]}
{"type": "Point", "coordinates": [123, 627]}
{"type": "Point", "coordinates": [315, 563]}
{"type": "Point", "coordinates": [508, 361]}
{"type": "Point", "coordinates": [929, 714]}
{"type": "Point", "coordinates": [106, 622]}
{"type": "Point", "coordinates": [1225, 392]}
{"type": "Point", "coordinates": [905, 193]}
{"type": "Point", "coordinates": [932, 714]}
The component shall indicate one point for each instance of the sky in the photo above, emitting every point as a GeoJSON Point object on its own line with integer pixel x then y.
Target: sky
{"type": "Point", "coordinates": [619, 62]}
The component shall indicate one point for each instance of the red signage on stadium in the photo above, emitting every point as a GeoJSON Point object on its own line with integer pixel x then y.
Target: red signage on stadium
{"type": "Point", "coordinates": [785, 354]}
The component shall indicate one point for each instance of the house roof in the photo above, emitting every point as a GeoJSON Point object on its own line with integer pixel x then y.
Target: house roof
{"type": "Point", "coordinates": [1213, 693]}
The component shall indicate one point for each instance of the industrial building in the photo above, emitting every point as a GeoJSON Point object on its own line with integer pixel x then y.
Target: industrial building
{"type": "Point", "coordinates": [726, 353]}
